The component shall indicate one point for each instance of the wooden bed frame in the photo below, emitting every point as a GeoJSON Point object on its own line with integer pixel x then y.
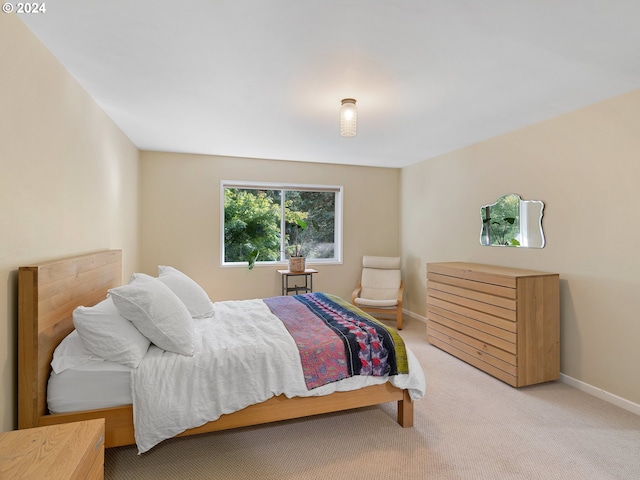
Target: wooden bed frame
{"type": "Point", "coordinates": [49, 292]}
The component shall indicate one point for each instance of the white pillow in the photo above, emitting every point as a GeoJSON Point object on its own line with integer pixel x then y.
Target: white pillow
{"type": "Point", "coordinates": [192, 295]}
{"type": "Point", "coordinates": [109, 335]}
{"type": "Point", "coordinates": [157, 312]}
{"type": "Point", "coordinates": [71, 353]}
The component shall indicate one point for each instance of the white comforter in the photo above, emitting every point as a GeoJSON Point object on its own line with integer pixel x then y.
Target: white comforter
{"type": "Point", "coordinates": [243, 355]}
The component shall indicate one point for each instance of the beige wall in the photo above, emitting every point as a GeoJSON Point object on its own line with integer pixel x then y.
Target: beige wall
{"type": "Point", "coordinates": [68, 179]}
{"type": "Point", "coordinates": [585, 167]}
{"type": "Point", "coordinates": [180, 221]}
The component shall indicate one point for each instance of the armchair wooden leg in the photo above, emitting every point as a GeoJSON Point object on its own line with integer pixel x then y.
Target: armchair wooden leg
{"type": "Point", "coordinates": [399, 318]}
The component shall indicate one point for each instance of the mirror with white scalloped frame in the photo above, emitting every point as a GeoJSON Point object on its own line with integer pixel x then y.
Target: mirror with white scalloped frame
{"type": "Point", "coordinates": [512, 222]}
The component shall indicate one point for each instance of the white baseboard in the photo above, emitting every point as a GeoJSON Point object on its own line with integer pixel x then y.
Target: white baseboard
{"type": "Point", "coordinates": [572, 382]}
{"type": "Point", "coordinates": [601, 394]}
{"type": "Point", "coordinates": [414, 315]}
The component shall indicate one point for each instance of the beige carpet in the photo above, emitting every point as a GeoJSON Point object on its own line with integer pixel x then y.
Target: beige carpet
{"type": "Point", "coordinates": [469, 426]}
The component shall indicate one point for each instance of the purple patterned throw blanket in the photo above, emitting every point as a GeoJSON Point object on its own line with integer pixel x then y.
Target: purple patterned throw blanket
{"type": "Point", "coordinates": [337, 340]}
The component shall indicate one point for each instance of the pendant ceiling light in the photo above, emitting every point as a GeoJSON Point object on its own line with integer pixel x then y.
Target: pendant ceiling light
{"type": "Point", "coordinates": [348, 117]}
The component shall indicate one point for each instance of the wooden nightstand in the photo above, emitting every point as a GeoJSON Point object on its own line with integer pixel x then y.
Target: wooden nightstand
{"type": "Point", "coordinates": [68, 451]}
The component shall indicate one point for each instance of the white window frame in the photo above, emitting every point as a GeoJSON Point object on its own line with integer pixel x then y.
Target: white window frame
{"type": "Point", "coordinates": [337, 189]}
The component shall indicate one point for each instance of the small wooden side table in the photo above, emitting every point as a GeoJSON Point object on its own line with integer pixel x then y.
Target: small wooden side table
{"type": "Point", "coordinates": [69, 451]}
{"type": "Point", "coordinates": [308, 281]}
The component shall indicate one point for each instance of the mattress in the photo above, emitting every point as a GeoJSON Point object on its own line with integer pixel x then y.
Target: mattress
{"type": "Point", "coordinates": [86, 382]}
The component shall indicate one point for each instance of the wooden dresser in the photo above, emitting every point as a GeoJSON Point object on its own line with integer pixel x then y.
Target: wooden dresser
{"type": "Point", "coordinates": [504, 321]}
{"type": "Point", "coordinates": [69, 451]}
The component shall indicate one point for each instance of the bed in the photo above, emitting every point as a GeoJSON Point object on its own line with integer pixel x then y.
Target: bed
{"type": "Point", "coordinates": [48, 294]}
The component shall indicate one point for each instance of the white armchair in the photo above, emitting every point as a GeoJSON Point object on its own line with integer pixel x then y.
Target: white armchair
{"type": "Point", "coordinates": [381, 287]}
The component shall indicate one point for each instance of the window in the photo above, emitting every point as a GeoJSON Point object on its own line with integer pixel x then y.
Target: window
{"type": "Point", "coordinates": [266, 218]}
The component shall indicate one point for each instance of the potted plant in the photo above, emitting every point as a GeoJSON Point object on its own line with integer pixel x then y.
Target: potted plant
{"type": "Point", "coordinates": [297, 261]}
{"type": "Point", "coordinates": [252, 257]}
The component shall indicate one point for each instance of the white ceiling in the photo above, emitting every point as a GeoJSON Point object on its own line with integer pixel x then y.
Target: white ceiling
{"type": "Point", "coordinates": [264, 78]}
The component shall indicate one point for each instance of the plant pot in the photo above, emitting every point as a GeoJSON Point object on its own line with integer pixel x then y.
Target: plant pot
{"type": "Point", "coordinates": [297, 264]}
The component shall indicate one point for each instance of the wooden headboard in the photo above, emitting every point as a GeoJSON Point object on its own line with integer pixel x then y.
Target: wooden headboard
{"type": "Point", "coordinates": [47, 295]}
